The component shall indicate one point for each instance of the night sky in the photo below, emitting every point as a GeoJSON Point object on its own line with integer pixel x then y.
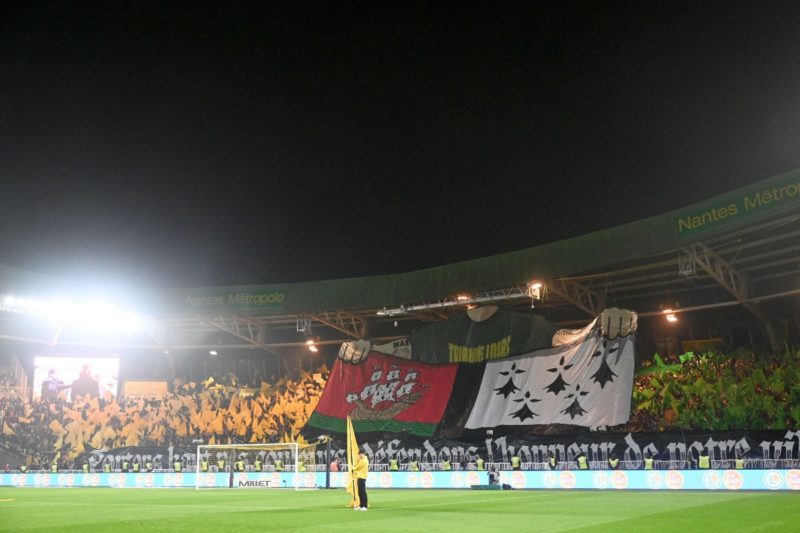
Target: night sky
{"type": "Point", "coordinates": [167, 145]}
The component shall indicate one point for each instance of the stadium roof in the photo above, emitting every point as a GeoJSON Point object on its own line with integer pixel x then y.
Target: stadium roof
{"type": "Point", "coordinates": [738, 248]}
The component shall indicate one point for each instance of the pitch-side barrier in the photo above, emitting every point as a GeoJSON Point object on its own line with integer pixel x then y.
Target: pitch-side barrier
{"type": "Point", "coordinates": [788, 479]}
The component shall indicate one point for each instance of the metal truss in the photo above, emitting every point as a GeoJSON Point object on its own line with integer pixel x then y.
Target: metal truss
{"type": "Point", "coordinates": [510, 293]}
{"type": "Point", "coordinates": [732, 280]}
{"type": "Point", "coordinates": [578, 295]}
{"type": "Point", "coordinates": [581, 296]}
{"type": "Point", "coordinates": [342, 321]}
{"type": "Point", "coordinates": [241, 328]}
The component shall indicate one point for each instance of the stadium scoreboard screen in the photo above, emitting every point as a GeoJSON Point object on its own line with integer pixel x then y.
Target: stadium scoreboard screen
{"type": "Point", "coordinates": [75, 375]}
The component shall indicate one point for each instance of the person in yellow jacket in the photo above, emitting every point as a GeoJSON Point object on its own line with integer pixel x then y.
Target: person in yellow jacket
{"type": "Point", "coordinates": [360, 472]}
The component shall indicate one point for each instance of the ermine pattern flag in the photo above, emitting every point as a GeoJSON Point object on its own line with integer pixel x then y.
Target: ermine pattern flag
{"type": "Point", "coordinates": [586, 383]}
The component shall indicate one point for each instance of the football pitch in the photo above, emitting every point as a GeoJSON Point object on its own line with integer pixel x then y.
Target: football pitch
{"type": "Point", "coordinates": [459, 511]}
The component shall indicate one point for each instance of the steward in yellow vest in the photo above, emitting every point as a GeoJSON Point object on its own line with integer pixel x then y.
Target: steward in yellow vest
{"type": "Point", "coordinates": [739, 463]}
{"type": "Point", "coordinates": [613, 462]}
{"type": "Point", "coordinates": [136, 467]}
{"type": "Point", "coordinates": [413, 466]}
{"type": "Point", "coordinates": [480, 464]}
{"type": "Point", "coordinates": [515, 462]}
{"type": "Point", "coordinates": [704, 462]}
{"type": "Point", "coordinates": [446, 466]}
{"type": "Point", "coordinates": [85, 468]}
{"type": "Point", "coordinates": [204, 466]}
{"type": "Point", "coordinates": [258, 465]}
{"type": "Point", "coordinates": [107, 467]}
{"type": "Point", "coordinates": [583, 464]}
{"type": "Point", "coordinates": [552, 462]}
{"type": "Point", "coordinates": [648, 463]}
{"type": "Point", "coordinates": [393, 465]}
{"type": "Point", "coordinates": [177, 466]}
{"type": "Point", "coordinates": [279, 466]}
{"type": "Point", "coordinates": [221, 465]}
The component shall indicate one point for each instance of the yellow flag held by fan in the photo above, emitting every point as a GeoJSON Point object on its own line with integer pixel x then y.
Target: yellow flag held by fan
{"type": "Point", "coordinates": [352, 459]}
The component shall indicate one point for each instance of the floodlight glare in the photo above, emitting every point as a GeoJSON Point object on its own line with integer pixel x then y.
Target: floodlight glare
{"type": "Point", "coordinates": [311, 342]}
{"type": "Point", "coordinates": [89, 314]}
{"type": "Point", "coordinates": [535, 291]}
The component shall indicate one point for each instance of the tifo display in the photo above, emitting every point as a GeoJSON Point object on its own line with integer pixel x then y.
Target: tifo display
{"type": "Point", "coordinates": [423, 420]}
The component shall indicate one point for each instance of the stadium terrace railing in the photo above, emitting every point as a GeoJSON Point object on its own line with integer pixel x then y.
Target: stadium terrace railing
{"type": "Point", "coordinates": [728, 464]}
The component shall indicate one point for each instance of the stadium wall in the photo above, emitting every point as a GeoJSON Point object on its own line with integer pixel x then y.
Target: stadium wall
{"type": "Point", "coordinates": [756, 480]}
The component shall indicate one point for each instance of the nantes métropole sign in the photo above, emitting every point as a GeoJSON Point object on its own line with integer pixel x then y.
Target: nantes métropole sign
{"type": "Point", "coordinates": [271, 298]}
{"type": "Point", "coordinates": [735, 207]}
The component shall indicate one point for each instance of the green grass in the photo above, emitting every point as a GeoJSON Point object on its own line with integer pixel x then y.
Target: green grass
{"type": "Point", "coordinates": [454, 511]}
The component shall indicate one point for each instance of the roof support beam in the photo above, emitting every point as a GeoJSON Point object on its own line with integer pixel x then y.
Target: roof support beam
{"type": "Point", "coordinates": [581, 296]}
{"type": "Point", "coordinates": [732, 280]}
{"type": "Point", "coordinates": [241, 329]}
{"type": "Point", "coordinates": [342, 321]}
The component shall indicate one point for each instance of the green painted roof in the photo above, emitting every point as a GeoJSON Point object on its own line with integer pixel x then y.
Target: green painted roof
{"type": "Point", "coordinates": [748, 205]}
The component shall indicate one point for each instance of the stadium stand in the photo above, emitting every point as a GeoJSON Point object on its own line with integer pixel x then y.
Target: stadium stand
{"type": "Point", "coordinates": [220, 410]}
{"type": "Point", "coordinates": [211, 410]}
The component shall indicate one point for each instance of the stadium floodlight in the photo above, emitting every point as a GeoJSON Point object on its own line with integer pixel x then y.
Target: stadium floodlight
{"type": "Point", "coordinates": [535, 289]}
{"type": "Point", "coordinates": [670, 314]}
{"type": "Point", "coordinates": [86, 314]}
{"type": "Point", "coordinates": [103, 315]}
{"type": "Point", "coordinates": [283, 465]}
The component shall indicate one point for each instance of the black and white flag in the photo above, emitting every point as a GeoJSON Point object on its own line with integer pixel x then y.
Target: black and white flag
{"type": "Point", "coordinates": [586, 383]}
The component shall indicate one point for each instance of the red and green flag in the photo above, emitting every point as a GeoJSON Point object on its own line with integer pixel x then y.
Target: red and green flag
{"type": "Point", "coordinates": [385, 393]}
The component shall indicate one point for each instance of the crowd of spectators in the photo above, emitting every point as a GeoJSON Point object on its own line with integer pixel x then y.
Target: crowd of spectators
{"type": "Point", "coordinates": [216, 411]}
{"type": "Point", "coordinates": [7, 380]}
